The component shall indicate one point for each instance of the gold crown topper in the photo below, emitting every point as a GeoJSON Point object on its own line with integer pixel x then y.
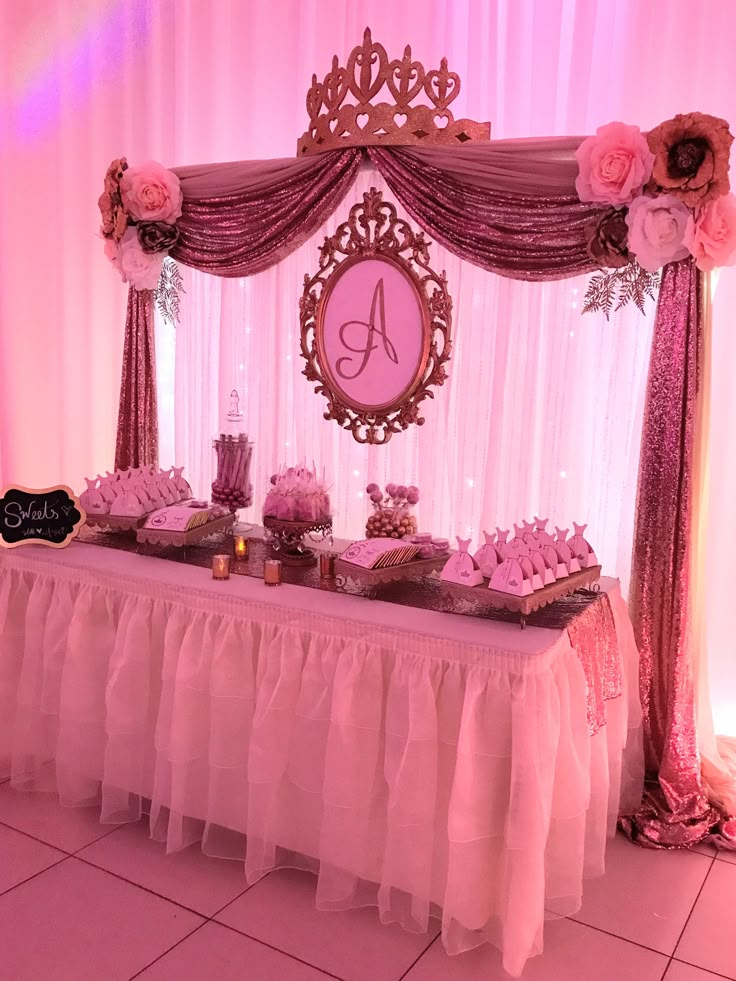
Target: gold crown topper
{"type": "Point", "coordinates": [335, 123]}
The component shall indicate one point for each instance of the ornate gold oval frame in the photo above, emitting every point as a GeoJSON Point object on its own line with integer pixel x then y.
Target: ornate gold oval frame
{"type": "Point", "coordinates": [374, 231]}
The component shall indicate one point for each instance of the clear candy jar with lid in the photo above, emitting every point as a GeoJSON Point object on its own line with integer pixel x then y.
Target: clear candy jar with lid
{"type": "Point", "coordinates": [232, 485]}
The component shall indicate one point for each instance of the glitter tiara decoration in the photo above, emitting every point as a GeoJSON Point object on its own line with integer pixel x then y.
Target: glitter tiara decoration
{"type": "Point", "coordinates": [334, 122]}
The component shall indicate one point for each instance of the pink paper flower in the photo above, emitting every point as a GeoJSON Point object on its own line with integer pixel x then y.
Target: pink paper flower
{"type": "Point", "coordinates": [140, 269]}
{"type": "Point", "coordinates": [112, 252]}
{"type": "Point", "coordinates": [114, 218]}
{"type": "Point", "coordinates": [656, 230]}
{"type": "Point", "coordinates": [711, 236]}
{"type": "Point", "coordinates": [150, 192]}
{"type": "Point", "coordinates": [691, 157]}
{"type": "Point", "coordinates": [606, 238]}
{"type": "Point", "coordinates": [615, 164]}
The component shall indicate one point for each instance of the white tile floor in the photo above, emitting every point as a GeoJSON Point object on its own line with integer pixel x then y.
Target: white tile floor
{"type": "Point", "coordinates": [80, 901]}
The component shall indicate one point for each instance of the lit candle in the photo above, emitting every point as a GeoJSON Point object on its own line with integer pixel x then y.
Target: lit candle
{"type": "Point", "coordinates": [240, 546]}
{"type": "Point", "coordinates": [272, 572]}
{"type": "Point", "coordinates": [327, 565]}
{"type": "Point", "coordinates": [220, 566]}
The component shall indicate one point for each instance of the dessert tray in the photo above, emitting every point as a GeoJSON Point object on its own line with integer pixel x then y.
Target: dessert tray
{"type": "Point", "coordinates": [287, 538]}
{"type": "Point", "coordinates": [159, 536]}
{"type": "Point", "coordinates": [115, 522]}
{"type": "Point", "coordinates": [481, 595]}
{"type": "Point", "coordinates": [180, 539]}
{"type": "Point", "coordinates": [414, 569]}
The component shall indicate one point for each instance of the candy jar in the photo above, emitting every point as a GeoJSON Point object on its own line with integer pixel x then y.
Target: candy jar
{"type": "Point", "coordinates": [232, 486]}
{"type": "Point", "coordinates": [392, 515]}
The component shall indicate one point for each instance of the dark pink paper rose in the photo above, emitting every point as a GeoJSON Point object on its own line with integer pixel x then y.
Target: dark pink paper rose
{"type": "Point", "coordinates": [150, 192]}
{"type": "Point", "coordinates": [711, 235]}
{"type": "Point", "coordinates": [157, 236]}
{"type": "Point", "coordinates": [656, 230]}
{"type": "Point", "coordinates": [615, 164]}
{"type": "Point", "coordinates": [606, 238]}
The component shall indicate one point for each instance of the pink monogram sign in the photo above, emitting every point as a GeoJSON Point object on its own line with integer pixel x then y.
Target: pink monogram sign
{"type": "Point", "coordinates": [375, 323]}
{"type": "Point", "coordinates": [374, 333]}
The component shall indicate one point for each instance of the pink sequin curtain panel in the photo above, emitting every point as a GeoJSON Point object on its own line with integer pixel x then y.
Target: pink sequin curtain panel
{"type": "Point", "coordinates": [137, 439]}
{"type": "Point", "coordinates": [675, 811]}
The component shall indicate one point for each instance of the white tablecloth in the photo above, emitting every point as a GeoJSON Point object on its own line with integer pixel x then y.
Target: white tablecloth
{"type": "Point", "coordinates": [426, 763]}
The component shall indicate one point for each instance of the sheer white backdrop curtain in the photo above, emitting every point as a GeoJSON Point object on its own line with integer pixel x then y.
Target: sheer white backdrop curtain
{"type": "Point", "coordinates": [541, 413]}
{"type": "Point", "coordinates": [191, 81]}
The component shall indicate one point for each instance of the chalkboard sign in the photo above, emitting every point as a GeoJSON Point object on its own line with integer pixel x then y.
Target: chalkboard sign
{"type": "Point", "coordinates": [51, 516]}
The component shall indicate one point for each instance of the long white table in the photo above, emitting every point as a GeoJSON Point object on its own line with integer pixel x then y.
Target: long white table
{"type": "Point", "coordinates": [426, 763]}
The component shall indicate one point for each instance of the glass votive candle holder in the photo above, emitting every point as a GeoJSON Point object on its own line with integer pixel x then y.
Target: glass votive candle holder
{"type": "Point", "coordinates": [240, 546]}
{"type": "Point", "coordinates": [326, 565]}
{"type": "Point", "coordinates": [220, 566]}
{"type": "Point", "coordinates": [272, 572]}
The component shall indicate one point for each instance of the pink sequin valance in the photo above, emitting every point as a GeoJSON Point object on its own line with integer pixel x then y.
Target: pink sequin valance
{"type": "Point", "coordinates": [509, 207]}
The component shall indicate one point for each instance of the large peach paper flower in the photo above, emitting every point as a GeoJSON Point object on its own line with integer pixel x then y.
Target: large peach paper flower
{"type": "Point", "coordinates": [711, 236]}
{"type": "Point", "coordinates": [615, 164]}
{"type": "Point", "coordinates": [691, 157]}
{"type": "Point", "coordinates": [150, 192]}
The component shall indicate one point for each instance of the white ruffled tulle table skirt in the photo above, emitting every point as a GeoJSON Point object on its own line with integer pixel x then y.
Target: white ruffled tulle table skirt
{"type": "Point", "coordinates": [424, 763]}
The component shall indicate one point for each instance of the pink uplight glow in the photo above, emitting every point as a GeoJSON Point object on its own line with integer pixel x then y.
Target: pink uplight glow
{"type": "Point", "coordinates": [48, 80]}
